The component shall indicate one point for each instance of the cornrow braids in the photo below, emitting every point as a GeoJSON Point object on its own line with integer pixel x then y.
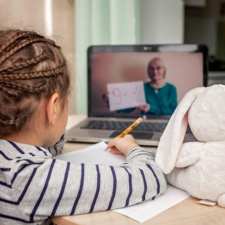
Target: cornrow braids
{"type": "Point", "coordinates": [32, 75]}
{"type": "Point", "coordinates": [31, 67]}
{"type": "Point", "coordinates": [22, 87]}
{"type": "Point", "coordinates": [12, 39]}
{"type": "Point", "coordinates": [22, 45]}
{"type": "Point", "coordinates": [26, 63]}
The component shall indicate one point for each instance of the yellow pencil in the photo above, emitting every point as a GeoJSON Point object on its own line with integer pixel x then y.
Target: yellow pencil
{"type": "Point", "coordinates": [130, 128]}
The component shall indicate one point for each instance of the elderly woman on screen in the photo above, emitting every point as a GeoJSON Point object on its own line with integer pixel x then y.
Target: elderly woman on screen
{"type": "Point", "coordinates": [161, 96]}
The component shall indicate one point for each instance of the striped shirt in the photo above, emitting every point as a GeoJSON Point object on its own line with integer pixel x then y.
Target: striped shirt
{"type": "Point", "coordinates": [34, 186]}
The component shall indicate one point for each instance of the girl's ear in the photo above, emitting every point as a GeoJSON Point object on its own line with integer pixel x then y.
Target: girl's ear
{"type": "Point", "coordinates": [53, 108]}
{"type": "Point", "coordinates": [172, 138]}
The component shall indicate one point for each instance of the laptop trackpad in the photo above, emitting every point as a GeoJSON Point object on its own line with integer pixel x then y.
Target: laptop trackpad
{"type": "Point", "coordinates": [136, 135]}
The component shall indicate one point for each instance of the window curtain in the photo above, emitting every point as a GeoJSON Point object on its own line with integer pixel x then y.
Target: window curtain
{"type": "Point", "coordinates": [99, 22]}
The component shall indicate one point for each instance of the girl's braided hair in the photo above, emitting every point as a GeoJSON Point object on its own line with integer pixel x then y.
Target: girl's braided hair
{"type": "Point", "coordinates": [31, 67]}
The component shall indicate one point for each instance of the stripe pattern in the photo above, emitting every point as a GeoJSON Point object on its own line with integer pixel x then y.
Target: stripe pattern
{"type": "Point", "coordinates": [34, 186]}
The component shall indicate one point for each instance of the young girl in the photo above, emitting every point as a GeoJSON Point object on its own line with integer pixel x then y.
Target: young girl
{"type": "Point", "coordinates": [34, 86]}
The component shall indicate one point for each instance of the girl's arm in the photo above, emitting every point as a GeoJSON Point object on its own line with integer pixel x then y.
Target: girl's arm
{"type": "Point", "coordinates": [60, 188]}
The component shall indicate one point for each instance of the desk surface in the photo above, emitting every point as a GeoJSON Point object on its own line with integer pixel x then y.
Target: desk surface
{"type": "Point", "coordinates": [188, 212]}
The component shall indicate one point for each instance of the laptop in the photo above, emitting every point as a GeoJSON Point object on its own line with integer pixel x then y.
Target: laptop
{"type": "Point", "coordinates": [119, 89]}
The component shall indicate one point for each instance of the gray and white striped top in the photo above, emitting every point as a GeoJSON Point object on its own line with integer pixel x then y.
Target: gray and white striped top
{"type": "Point", "coordinates": [34, 186]}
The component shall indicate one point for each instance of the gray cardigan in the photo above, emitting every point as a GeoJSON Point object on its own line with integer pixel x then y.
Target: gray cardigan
{"type": "Point", "coordinates": [34, 186]}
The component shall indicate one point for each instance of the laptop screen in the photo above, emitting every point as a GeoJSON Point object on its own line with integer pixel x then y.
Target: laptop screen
{"type": "Point", "coordinates": [150, 80]}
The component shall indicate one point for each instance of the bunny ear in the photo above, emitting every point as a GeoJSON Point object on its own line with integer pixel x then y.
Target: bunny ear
{"type": "Point", "coordinates": [173, 136]}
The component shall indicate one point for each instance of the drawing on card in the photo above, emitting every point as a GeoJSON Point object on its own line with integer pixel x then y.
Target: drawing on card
{"type": "Point", "coordinates": [125, 95]}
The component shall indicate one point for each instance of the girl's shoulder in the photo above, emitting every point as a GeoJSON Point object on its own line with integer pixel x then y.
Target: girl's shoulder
{"type": "Point", "coordinates": [20, 150]}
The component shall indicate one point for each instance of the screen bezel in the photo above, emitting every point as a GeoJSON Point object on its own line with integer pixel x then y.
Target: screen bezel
{"type": "Point", "coordinates": [188, 48]}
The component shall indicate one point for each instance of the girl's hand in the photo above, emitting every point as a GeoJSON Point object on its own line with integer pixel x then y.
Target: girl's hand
{"type": "Point", "coordinates": [122, 145]}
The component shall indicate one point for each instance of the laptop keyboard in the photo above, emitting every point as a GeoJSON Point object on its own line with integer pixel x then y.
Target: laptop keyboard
{"type": "Point", "coordinates": [121, 125]}
{"type": "Point", "coordinates": [136, 134]}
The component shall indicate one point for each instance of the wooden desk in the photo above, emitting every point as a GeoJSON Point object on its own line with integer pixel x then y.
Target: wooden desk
{"type": "Point", "coordinates": [188, 212]}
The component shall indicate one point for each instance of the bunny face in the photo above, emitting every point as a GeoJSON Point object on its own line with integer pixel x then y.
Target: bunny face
{"type": "Point", "coordinates": [206, 116]}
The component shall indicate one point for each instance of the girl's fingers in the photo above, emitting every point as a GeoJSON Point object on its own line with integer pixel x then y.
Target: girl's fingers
{"type": "Point", "coordinates": [115, 151]}
{"type": "Point", "coordinates": [112, 143]}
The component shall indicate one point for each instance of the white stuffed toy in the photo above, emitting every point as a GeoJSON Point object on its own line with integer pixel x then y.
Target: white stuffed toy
{"type": "Point", "coordinates": [197, 167]}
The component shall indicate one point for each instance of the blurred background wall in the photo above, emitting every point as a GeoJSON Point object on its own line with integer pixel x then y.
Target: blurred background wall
{"type": "Point", "coordinates": [77, 24]}
{"type": "Point", "coordinates": [52, 18]}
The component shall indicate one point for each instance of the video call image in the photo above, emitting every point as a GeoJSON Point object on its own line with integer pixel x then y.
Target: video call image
{"type": "Point", "coordinates": [132, 84]}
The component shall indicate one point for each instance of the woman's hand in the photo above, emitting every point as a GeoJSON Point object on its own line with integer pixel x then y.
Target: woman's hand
{"type": "Point", "coordinates": [144, 108]}
{"type": "Point", "coordinates": [122, 145]}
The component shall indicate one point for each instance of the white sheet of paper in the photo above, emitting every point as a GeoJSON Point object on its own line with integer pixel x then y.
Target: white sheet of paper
{"type": "Point", "coordinates": [140, 212]}
{"type": "Point", "coordinates": [96, 154]}
{"type": "Point", "coordinates": [149, 209]}
{"type": "Point", "coordinates": [125, 95]}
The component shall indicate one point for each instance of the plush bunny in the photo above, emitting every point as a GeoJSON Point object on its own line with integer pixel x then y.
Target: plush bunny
{"type": "Point", "coordinates": [197, 167]}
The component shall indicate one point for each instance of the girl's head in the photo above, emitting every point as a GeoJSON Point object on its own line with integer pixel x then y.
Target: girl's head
{"type": "Point", "coordinates": [33, 74]}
